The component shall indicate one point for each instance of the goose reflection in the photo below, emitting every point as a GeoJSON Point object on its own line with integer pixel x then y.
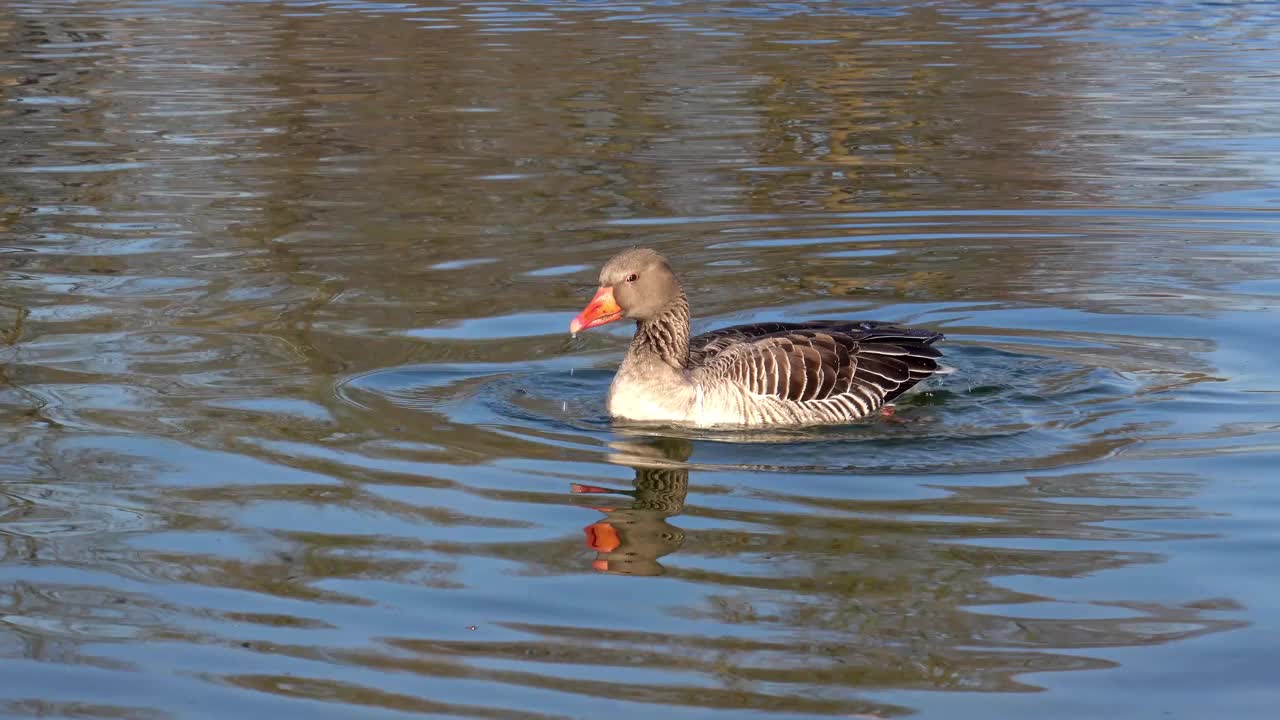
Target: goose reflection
{"type": "Point", "coordinates": [630, 539]}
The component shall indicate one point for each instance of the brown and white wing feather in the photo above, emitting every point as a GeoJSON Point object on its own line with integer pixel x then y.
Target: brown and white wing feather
{"type": "Point", "coordinates": [706, 346]}
{"type": "Point", "coordinates": [816, 371]}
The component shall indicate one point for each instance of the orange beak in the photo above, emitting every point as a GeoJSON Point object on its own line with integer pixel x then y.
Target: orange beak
{"type": "Point", "coordinates": [600, 311]}
{"type": "Point", "coordinates": [602, 537]}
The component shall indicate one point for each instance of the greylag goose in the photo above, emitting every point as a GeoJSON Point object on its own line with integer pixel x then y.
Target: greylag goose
{"type": "Point", "coordinates": [770, 374]}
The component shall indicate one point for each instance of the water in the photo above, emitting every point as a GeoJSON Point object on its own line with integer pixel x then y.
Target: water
{"type": "Point", "coordinates": [292, 423]}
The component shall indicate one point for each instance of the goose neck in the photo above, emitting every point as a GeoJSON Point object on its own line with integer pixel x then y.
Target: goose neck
{"type": "Point", "coordinates": [666, 336]}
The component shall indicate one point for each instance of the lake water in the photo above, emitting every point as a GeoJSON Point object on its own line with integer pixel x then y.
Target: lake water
{"type": "Point", "coordinates": [291, 424]}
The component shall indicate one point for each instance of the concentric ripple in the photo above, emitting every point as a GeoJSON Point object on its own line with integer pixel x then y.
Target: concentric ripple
{"type": "Point", "coordinates": [1002, 409]}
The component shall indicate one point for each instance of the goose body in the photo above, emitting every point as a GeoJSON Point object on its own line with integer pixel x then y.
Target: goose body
{"type": "Point", "coordinates": [771, 374]}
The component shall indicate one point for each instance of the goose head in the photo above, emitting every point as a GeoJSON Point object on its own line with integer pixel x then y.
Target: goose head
{"type": "Point", "coordinates": [636, 284]}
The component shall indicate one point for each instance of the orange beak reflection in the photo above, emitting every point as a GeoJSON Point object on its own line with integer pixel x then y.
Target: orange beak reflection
{"type": "Point", "coordinates": [600, 311]}
{"type": "Point", "coordinates": [602, 537]}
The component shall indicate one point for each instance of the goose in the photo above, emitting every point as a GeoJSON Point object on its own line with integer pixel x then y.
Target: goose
{"type": "Point", "coordinates": [769, 374]}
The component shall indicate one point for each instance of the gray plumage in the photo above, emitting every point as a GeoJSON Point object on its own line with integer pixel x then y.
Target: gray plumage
{"type": "Point", "coordinates": [757, 375]}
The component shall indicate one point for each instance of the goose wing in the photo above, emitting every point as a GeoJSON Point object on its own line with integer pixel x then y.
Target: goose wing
{"type": "Point", "coordinates": [852, 368]}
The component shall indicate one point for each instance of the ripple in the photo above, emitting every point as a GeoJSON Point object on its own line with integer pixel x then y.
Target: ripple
{"type": "Point", "coordinates": [80, 168]}
{"type": "Point", "coordinates": [558, 270]}
{"type": "Point", "coordinates": [1002, 410]}
{"type": "Point", "coordinates": [293, 425]}
{"type": "Point", "coordinates": [36, 510]}
{"type": "Point", "coordinates": [527, 324]}
{"type": "Point", "coordinates": [460, 264]}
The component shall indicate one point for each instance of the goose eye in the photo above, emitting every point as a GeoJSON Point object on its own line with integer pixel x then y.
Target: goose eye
{"type": "Point", "coordinates": [632, 277]}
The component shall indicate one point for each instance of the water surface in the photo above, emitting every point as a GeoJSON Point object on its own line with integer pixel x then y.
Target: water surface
{"type": "Point", "coordinates": [292, 423]}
